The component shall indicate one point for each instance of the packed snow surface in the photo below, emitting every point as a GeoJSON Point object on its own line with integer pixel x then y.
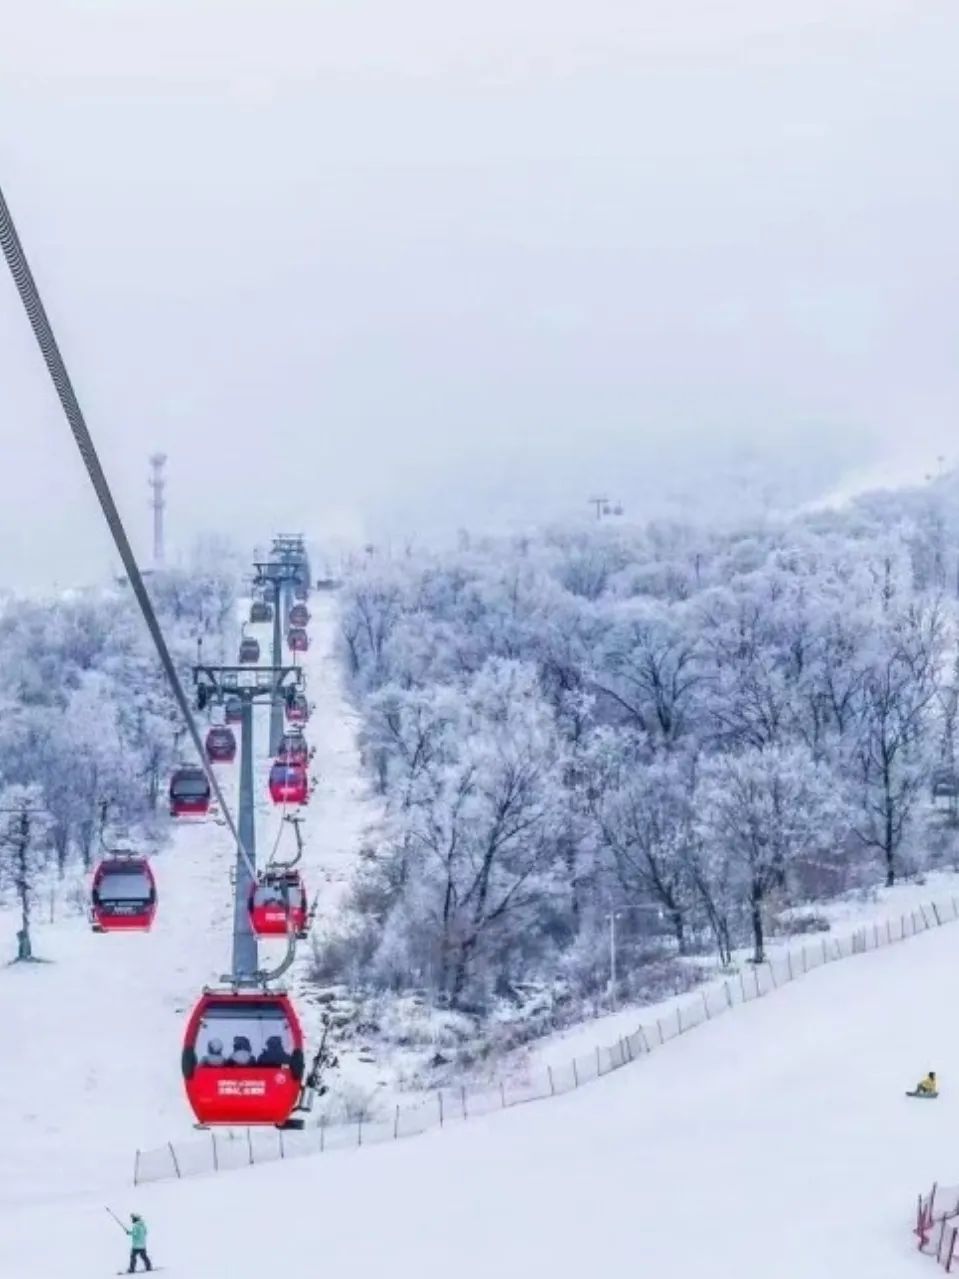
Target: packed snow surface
{"type": "Point", "coordinates": [775, 1141]}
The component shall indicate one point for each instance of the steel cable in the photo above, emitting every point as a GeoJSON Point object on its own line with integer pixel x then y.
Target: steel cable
{"type": "Point", "coordinates": [43, 332]}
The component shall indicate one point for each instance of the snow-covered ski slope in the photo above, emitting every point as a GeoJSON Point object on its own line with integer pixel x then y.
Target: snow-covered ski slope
{"type": "Point", "coordinates": [774, 1142]}
{"type": "Point", "coordinates": [90, 1045]}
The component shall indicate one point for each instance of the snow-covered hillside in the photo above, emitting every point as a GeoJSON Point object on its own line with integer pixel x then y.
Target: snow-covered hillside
{"type": "Point", "coordinates": [97, 1033]}
{"type": "Point", "coordinates": [776, 1141]}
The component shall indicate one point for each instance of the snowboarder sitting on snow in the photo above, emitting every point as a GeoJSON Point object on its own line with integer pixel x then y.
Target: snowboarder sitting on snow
{"type": "Point", "coordinates": [138, 1243]}
{"type": "Point", "coordinates": [928, 1087]}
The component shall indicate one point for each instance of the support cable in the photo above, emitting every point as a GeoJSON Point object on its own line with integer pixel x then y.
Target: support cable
{"type": "Point", "coordinates": [43, 332]}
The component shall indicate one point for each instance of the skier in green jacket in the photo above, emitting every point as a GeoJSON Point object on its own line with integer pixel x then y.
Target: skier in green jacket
{"type": "Point", "coordinates": [138, 1243]}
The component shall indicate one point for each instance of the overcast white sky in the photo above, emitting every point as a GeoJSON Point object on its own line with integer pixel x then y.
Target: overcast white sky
{"type": "Point", "coordinates": [393, 266]}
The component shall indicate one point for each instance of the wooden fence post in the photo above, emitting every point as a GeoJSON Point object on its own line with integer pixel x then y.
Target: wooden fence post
{"type": "Point", "coordinates": [935, 911]}
{"type": "Point", "coordinates": [136, 1168]}
{"type": "Point", "coordinates": [706, 1006]}
{"type": "Point", "coordinates": [729, 994]}
{"type": "Point", "coordinates": [396, 1124]}
{"type": "Point", "coordinates": [552, 1087]}
{"type": "Point", "coordinates": [216, 1157]}
{"type": "Point", "coordinates": [789, 965]}
{"type": "Point", "coordinates": [249, 1144]}
{"type": "Point", "coordinates": [439, 1100]}
{"type": "Point", "coordinates": [463, 1094]}
{"type": "Point", "coordinates": [575, 1077]}
{"type": "Point", "coordinates": [359, 1131]}
{"type": "Point", "coordinates": [599, 1064]}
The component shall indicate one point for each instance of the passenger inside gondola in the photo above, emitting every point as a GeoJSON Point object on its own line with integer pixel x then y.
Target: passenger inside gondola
{"type": "Point", "coordinates": [242, 1054]}
{"type": "Point", "coordinates": [214, 1054]}
{"type": "Point", "coordinates": [249, 1030]}
{"type": "Point", "coordinates": [273, 1054]}
{"type": "Point", "coordinates": [272, 893]}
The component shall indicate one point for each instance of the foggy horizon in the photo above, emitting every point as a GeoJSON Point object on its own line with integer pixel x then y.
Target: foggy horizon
{"type": "Point", "coordinates": [434, 270]}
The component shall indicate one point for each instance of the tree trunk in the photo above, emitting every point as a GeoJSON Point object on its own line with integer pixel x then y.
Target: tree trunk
{"type": "Point", "coordinates": [756, 913]}
{"type": "Point", "coordinates": [61, 842]}
{"type": "Point", "coordinates": [889, 846]}
{"type": "Point", "coordinates": [445, 942]}
{"type": "Point", "coordinates": [679, 928]}
{"type": "Point", "coordinates": [24, 945]}
{"type": "Point", "coordinates": [461, 971]}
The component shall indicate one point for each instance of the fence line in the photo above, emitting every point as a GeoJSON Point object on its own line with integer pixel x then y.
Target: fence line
{"type": "Point", "coordinates": [936, 1228]}
{"type": "Point", "coordinates": [236, 1148]}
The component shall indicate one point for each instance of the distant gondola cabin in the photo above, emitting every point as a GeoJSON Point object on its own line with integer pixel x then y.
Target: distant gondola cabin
{"type": "Point", "coordinates": [189, 792]}
{"type": "Point", "coordinates": [123, 894]}
{"type": "Point", "coordinates": [277, 904]}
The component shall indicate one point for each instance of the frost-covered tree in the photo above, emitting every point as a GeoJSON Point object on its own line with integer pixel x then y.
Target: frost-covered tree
{"type": "Point", "coordinates": [766, 808]}
{"type": "Point", "coordinates": [895, 752]}
{"type": "Point", "coordinates": [668, 670]}
{"type": "Point", "coordinates": [645, 821]}
{"type": "Point", "coordinates": [22, 856]}
{"type": "Point", "coordinates": [479, 835]}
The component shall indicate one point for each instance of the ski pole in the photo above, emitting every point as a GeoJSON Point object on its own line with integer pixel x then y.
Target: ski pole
{"type": "Point", "coordinates": [115, 1218]}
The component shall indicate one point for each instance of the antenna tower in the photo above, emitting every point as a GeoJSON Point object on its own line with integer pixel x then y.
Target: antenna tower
{"type": "Point", "coordinates": [158, 484]}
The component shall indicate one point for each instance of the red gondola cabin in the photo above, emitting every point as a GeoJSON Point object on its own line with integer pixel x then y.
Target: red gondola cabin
{"type": "Point", "coordinates": [299, 615]}
{"type": "Point", "coordinates": [123, 895]}
{"type": "Point", "coordinates": [288, 784]}
{"type": "Point", "coordinates": [249, 651]}
{"type": "Point", "coordinates": [297, 639]}
{"type": "Point", "coordinates": [243, 1058]}
{"type": "Point", "coordinates": [189, 792]}
{"type": "Point", "coordinates": [278, 903]}
{"type": "Point", "coordinates": [220, 744]}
